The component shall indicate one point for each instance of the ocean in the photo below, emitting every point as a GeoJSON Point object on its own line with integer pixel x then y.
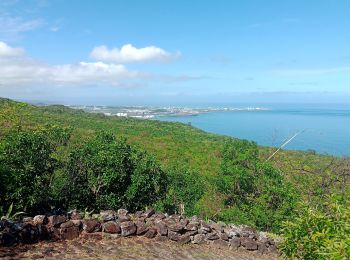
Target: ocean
{"type": "Point", "coordinates": [324, 129]}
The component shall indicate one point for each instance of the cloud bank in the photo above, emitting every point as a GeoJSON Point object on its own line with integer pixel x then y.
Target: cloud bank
{"type": "Point", "coordinates": [128, 53]}
{"type": "Point", "coordinates": [19, 69]}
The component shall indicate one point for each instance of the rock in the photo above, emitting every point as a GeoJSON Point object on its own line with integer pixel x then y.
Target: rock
{"type": "Point", "coordinates": [108, 215]}
{"type": "Point", "coordinates": [78, 223]}
{"type": "Point", "coordinates": [149, 213]}
{"type": "Point", "coordinates": [122, 212]}
{"type": "Point", "coordinates": [249, 243]}
{"type": "Point", "coordinates": [7, 239]}
{"type": "Point", "coordinates": [221, 243]}
{"type": "Point", "coordinates": [75, 215]}
{"type": "Point", "coordinates": [42, 220]}
{"type": "Point", "coordinates": [67, 224]}
{"type": "Point", "coordinates": [91, 225]}
{"type": "Point", "coordinates": [128, 228]}
{"type": "Point", "coordinates": [139, 214]}
{"type": "Point", "coordinates": [212, 236]}
{"type": "Point", "coordinates": [192, 226]}
{"type": "Point", "coordinates": [272, 249]}
{"type": "Point", "coordinates": [176, 227]}
{"type": "Point", "coordinates": [161, 238]}
{"type": "Point", "coordinates": [151, 233]}
{"type": "Point", "coordinates": [27, 219]}
{"type": "Point", "coordinates": [159, 216]}
{"type": "Point", "coordinates": [123, 218]}
{"type": "Point", "coordinates": [141, 228]}
{"type": "Point", "coordinates": [184, 239]}
{"type": "Point", "coordinates": [69, 233]}
{"type": "Point", "coordinates": [235, 242]}
{"type": "Point", "coordinates": [205, 227]}
{"type": "Point", "coordinates": [43, 232]}
{"type": "Point", "coordinates": [262, 248]}
{"type": "Point", "coordinates": [173, 235]}
{"type": "Point", "coordinates": [199, 239]}
{"type": "Point", "coordinates": [111, 227]}
{"type": "Point", "coordinates": [249, 232]}
{"type": "Point", "coordinates": [161, 228]}
{"type": "Point", "coordinates": [224, 236]}
{"type": "Point", "coordinates": [56, 220]}
{"type": "Point", "coordinates": [191, 233]}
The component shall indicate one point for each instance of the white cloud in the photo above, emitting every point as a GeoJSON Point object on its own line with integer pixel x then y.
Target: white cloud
{"type": "Point", "coordinates": [17, 69]}
{"type": "Point", "coordinates": [7, 51]}
{"type": "Point", "coordinates": [128, 53]}
{"type": "Point", "coordinates": [12, 27]}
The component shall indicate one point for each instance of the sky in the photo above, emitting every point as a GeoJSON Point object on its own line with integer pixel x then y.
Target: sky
{"type": "Point", "coordinates": [128, 52]}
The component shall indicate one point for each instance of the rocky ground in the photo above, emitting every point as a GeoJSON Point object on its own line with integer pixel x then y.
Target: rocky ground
{"type": "Point", "coordinates": [126, 248]}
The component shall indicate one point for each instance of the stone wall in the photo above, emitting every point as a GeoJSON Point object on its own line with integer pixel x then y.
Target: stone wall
{"type": "Point", "coordinates": [150, 224]}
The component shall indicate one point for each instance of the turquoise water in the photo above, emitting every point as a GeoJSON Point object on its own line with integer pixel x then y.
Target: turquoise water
{"type": "Point", "coordinates": [325, 130]}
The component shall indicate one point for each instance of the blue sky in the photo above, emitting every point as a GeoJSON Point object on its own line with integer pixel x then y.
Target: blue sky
{"type": "Point", "coordinates": [175, 52]}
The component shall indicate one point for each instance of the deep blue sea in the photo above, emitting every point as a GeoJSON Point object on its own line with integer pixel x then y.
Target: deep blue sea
{"type": "Point", "coordinates": [325, 129]}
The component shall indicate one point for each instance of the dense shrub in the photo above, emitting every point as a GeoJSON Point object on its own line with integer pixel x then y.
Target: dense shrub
{"type": "Point", "coordinates": [27, 167]}
{"type": "Point", "coordinates": [185, 188]}
{"type": "Point", "coordinates": [254, 192]}
{"type": "Point", "coordinates": [321, 232]}
{"type": "Point", "coordinates": [108, 173]}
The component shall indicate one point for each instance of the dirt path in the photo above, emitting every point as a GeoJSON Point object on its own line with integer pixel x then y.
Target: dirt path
{"type": "Point", "coordinates": [125, 248]}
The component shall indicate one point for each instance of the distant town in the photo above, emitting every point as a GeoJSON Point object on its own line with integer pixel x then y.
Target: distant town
{"type": "Point", "coordinates": [154, 112]}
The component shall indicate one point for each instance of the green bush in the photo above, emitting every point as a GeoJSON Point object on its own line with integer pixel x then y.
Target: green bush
{"type": "Point", "coordinates": [255, 193]}
{"type": "Point", "coordinates": [27, 167]}
{"type": "Point", "coordinates": [108, 173]}
{"type": "Point", "coordinates": [321, 232]}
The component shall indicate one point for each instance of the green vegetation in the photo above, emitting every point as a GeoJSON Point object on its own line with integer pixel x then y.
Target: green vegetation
{"type": "Point", "coordinates": [56, 157]}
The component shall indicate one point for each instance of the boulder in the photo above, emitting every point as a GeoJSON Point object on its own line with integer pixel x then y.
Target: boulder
{"type": "Point", "coordinates": [223, 236]}
{"type": "Point", "coordinates": [27, 219]}
{"type": "Point", "coordinates": [111, 227]}
{"type": "Point", "coordinates": [56, 220]}
{"type": "Point", "coordinates": [161, 228]}
{"type": "Point", "coordinates": [123, 218]}
{"type": "Point", "coordinates": [221, 243]}
{"type": "Point", "coordinates": [173, 235]}
{"type": "Point", "coordinates": [198, 239]}
{"type": "Point", "coordinates": [70, 232]}
{"type": "Point", "coordinates": [249, 243]}
{"type": "Point", "coordinates": [151, 233]}
{"type": "Point", "coordinates": [141, 228]}
{"type": "Point", "coordinates": [235, 242]}
{"type": "Point", "coordinates": [149, 213]}
{"type": "Point", "coordinates": [128, 228]}
{"type": "Point", "coordinates": [67, 224]}
{"type": "Point", "coordinates": [122, 212]}
{"type": "Point", "coordinates": [91, 225]}
{"type": "Point", "coordinates": [176, 227]}
{"type": "Point", "coordinates": [108, 215]}
{"type": "Point", "coordinates": [41, 220]}
{"type": "Point", "coordinates": [184, 239]}
{"type": "Point", "coordinates": [212, 236]}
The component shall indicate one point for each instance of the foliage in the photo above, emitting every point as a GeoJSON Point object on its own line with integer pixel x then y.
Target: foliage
{"type": "Point", "coordinates": [321, 232]}
{"type": "Point", "coordinates": [186, 187]}
{"type": "Point", "coordinates": [255, 192]}
{"type": "Point", "coordinates": [12, 216]}
{"type": "Point", "coordinates": [27, 166]}
{"type": "Point", "coordinates": [108, 173]}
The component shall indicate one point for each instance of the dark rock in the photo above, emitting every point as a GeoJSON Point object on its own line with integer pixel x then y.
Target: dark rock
{"type": "Point", "coordinates": [249, 243]}
{"type": "Point", "coordinates": [262, 248]}
{"type": "Point", "coordinates": [224, 236]}
{"type": "Point", "coordinates": [67, 224]}
{"type": "Point", "coordinates": [108, 215]}
{"type": "Point", "coordinates": [91, 225]}
{"type": "Point", "coordinates": [161, 228]}
{"type": "Point", "coordinates": [235, 242]}
{"type": "Point", "coordinates": [7, 239]}
{"type": "Point", "coordinates": [176, 227]}
{"type": "Point", "coordinates": [123, 218]}
{"type": "Point", "coordinates": [42, 220]}
{"type": "Point", "coordinates": [184, 239]}
{"type": "Point", "coordinates": [199, 239]}
{"type": "Point", "coordinates": [212, 236]}
{"type": "Point", "coordinates": [56, 220]}
{"type": "Point", "coordinates": [128, 228]}
{"type": "Point", "coordinates": [43, 232]}
{"type": "Point", "coordinates": [149, 213]}
{"type": "Point", "coordinates": [221, 243]}
{"type": "Point", "coordinates": [69, 233]}
{"type": "Point", "coordinates": [173, 235]}
{"type": "Point", "coordinates": [141, 228]}
{"type": "Point", "coordinates": [151, 233]}
{"type": "Point", "coordinates": [111, 227]}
